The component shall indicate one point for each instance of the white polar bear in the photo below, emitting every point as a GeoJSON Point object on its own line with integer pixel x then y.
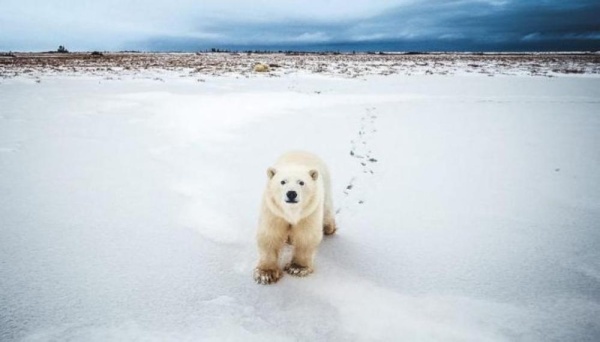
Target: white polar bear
{"type": "Point", "coordinates": [296, 208]}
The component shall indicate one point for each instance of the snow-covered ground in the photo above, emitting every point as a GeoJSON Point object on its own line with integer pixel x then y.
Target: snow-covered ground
{"type": "Point", "coordinates": [468, 208]}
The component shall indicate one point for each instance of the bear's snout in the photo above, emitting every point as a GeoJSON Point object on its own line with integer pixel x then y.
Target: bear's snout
{"type": "Point", "coordinates": [291, 196]}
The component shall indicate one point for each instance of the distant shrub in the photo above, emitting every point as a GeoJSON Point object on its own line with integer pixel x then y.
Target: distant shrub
{"type": "Point", "coordinates": [219, 50]}
{"type": "Point", "coordinates": [573, 71]}
{"type": "Point", "coordinates": [62, 49]}
{"type": "Point", "coordinates": [96, 53]}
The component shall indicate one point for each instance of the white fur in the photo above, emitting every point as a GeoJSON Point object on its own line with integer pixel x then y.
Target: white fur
{"type": "Point", "coordinates": [302, 223]}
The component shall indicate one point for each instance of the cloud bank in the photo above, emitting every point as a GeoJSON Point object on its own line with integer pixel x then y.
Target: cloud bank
{"type": "Point", "coordinates": [329, 24]}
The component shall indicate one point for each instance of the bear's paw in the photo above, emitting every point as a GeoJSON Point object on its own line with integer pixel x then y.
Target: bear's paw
{"type": "Point", "coordinates": [298, 270]}
{"type": "Point", "coordinates": [329, 229]}
{"type": "Point", "coordinates": [266, 276]}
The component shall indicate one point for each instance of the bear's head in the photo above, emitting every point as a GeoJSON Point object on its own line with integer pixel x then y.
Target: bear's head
{"type": "Point", "coordinates": [293, 192]}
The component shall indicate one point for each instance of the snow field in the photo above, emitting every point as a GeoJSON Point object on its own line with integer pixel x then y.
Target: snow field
{"type": "Point", "coordinates": [468, 208]}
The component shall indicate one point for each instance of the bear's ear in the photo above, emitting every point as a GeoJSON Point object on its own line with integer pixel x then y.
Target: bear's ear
{"type": "Point", "coordinates": [314, 174]}
{"type": "Point", "coordinates": [271, 172]}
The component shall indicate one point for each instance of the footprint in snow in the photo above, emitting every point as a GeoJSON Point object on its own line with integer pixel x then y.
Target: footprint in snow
{"type": "Point", "coordinates": [360, 151]}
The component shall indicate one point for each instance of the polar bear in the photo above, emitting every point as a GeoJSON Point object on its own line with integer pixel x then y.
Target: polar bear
{"type": "Point", "coordinates": [296, 208]}
{"type": "Point", "coordinates": [261, 67]}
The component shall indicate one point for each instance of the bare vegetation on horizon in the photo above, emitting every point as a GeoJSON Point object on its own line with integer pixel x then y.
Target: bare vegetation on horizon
{"type": "Point", "coordinates": [114, 65]}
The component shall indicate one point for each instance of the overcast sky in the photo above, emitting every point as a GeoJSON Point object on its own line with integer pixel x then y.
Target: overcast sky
{"type": "Point", "coordinates": [191, 25]}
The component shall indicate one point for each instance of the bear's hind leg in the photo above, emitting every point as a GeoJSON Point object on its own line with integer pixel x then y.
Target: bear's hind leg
{"type": "Point", "coordinates": [329, 226]}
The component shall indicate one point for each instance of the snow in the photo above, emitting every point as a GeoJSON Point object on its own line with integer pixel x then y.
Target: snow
{"type": "Point", "coordinates": [468, 208]}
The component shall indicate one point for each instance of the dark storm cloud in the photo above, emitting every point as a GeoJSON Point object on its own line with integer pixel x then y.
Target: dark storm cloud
{"type": "Point", "coordinates": [519, 24]}
{"type": "Point", "coordinates": [435, 25]}
{"type": "Point", "coordinates": [518, 20]}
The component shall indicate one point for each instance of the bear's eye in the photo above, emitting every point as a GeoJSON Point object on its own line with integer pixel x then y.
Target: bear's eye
{"type": "Point", "coordinates": [301, 183]}
{"type": "Point", "coordinates": [282, 182]}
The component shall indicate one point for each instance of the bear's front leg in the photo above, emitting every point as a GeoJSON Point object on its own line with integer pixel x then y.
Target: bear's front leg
{"type": "Point", "coordinates": [306, 237]}
{"type": "Point", "coordinates": [266, 276]}
{"type": "Point", "coordinates": [302, 262]}
{"type": "Point", "coordinates": [267, 271]}
{"type": "Point", "coordinates": [272, 234]}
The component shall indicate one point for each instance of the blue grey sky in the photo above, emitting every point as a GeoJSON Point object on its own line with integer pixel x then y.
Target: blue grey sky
{"type": "Point", "coordinates": [186, 25]}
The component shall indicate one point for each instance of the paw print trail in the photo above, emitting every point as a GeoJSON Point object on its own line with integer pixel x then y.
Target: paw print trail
{"type": "Point", "coordinates": [361, 151]}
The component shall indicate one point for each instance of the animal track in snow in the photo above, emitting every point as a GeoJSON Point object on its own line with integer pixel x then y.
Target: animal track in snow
{"type": "Point", "coordinates": [361, 152]}
{"type": "Point", "coordinates": [360, 144]}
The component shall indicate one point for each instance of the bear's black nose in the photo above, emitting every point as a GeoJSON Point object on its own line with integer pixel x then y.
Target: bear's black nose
{"type": "Point", "coordinates": [292, 195]}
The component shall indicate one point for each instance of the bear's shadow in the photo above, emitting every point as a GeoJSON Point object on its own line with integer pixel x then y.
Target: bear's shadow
{"type": "Point", "coordinates": [343, 253]}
